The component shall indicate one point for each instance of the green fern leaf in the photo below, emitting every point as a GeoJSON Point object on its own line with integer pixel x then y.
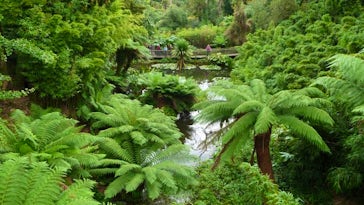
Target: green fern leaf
{"type": "Point", "coordinates": [241, 126]}
{"type": "Point", "coordinates": [113, 148]}
{"type": "Point", "coordinates": [154, 190]}
{"type": "Point", "coordinates": [135, 182]}
{"type": "Point", "coordinates": [138, 138]}
{"type": "Point", "coordinates": [259, 89]}
{"type": "Point", "coordinates": [312, 113]}
{"type": "Point", "coordinates": [248, 106]}
{"type": "Point", "coordinates": [78, 193]}
{"type": "Point", "coordinates": [265, 120]}
{"type": "Point", "coordinates": [127, 168]}
{"type": "Point", "coordinates": [167, 179]}
{"type": "Point", "coordinates": [114, 187]}
{"type": "Point", "coordinates": [305, 131]}
{"type": "Point", "coordinates": [150, 174]}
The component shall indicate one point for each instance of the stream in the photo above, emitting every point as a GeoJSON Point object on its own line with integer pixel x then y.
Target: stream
{"type": "Point", "coordinates": [195, 132]}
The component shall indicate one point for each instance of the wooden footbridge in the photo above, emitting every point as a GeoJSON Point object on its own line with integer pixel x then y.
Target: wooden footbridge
{"type": "Point", "coordinates": [198, 53]}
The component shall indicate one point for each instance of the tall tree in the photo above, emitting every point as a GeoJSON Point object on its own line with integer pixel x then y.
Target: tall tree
{"type": "Point", "coordinates": [240, 27]}
{"type": "Point", "coordinates": [250, 111]}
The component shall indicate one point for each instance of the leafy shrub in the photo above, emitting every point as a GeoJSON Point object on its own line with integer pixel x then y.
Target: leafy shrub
{"type": "Point", "coordinates": [237, 184]}
{"type": "Point", "coordinates": [221, 60]}
{"type": "Point", "coordinates": [163, 90]}
{"type": "Point", "coordinates": [11, 94]}
{"type": "Point", "coordinates": [199, 37]}
{"type": "Point", "coordinates": [220, 41]}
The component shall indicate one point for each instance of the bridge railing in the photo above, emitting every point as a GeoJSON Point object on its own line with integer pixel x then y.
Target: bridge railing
{"type": "Point", "coordinates": [197, 52]}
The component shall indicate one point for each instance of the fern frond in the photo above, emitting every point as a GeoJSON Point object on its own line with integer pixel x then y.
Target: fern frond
{"type": "Point", "coordinates": [248, 106]}
{"type": "Point", "coordinates": [154, 190]}
{"type": "Point", "coordinates": [310, 91]}
{"type": "Point", "coordinates": [13, 186]}
{"type": "Point", "coordinates": [343, 90]}
{"type": "Point", "coordinates": [114, 187]}
{"type": "Point", "coordinates": [259, 89]}
{"type": "Point", "coordinates": [167, 179]}
{"type": "Point", "coordinates": [8, 138]}
{"type": "Point", "coordinates": [80, 192]}
{"type": "Point", "coordinates": [239, 127]}
{"type": "Point", "coordinates": [150, 174]}
{"type": "Point", "coordinates": [117, 185]}
{"type": "Point", "coordinates": [176, 153]}
{"type": "Point", "coordinates": [102, 171]}
{"type": "Point", "coordinates": [265, 120]}
{"type": "Point", "coordinates": [351, 67]}
{"type": "Point", "coordinates": [110, 146]}
{"type": "Point", "coordinates": [20, 117]}
{"type": "Point", "coordinates": [135, 182]}
{"type": "Point", "coordinates": [305, 131]}
{"type": "Point", "coordinates": [312, 113]}
{"type": "Point", "coordinates": [235, 147]}
{"type": "Point", "coordinates": [219, 111]}
{"type": "Point", "coordinates": [43, 185]}
{"type": "Point", "coordinates": [138, 137]}
{"type": "Point", "coordinates": [127, 168]}
{"type": "Point", "coordinates": [359, 109]}
{"type": "Point", "coordinates": [24, 182]}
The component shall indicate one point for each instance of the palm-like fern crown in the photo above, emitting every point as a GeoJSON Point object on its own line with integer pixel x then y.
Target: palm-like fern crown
{"type": "Point", "coordinates": [27, 183]}
{"type": "Point", "coordinates": [144, 144]}
{"type": "Point", "coordinates": [182, 49]}
{"type": "Point", "coordinates": [128, 121]}
{"type": "Point", "coordinates": [163, 171]}
{"type": "Point", "coordinates": [52, 138]}
{"type": "Point", "coordinates": [254, 111]}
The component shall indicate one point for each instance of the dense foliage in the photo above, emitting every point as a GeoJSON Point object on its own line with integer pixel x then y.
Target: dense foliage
{"type": "Point", "coordinates": [70, 44]}
{"type": "Point", "coordinates": [296, 51]}
{"type": "Point", "coordinates": [238, 184]}
{"type": "Point", "coordinates": [26, 182]}
{"type": "Point", "coordinates": [113, 138]}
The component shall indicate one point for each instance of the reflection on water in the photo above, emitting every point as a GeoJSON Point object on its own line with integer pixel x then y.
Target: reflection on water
{"type": "Point", "coordinates": [197, 133]}
{"type": "Point", "coordinates": [197, 137]}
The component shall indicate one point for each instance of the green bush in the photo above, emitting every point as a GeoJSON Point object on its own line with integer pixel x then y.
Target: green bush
{"type": "Point", "coordinates": [200, 37]}
{"type": "Point", "coordinates": [173, 92]}
{"type": "Point", "coordinates": [221, 60]}
{"type": "Point", "coordinates": [237, 184]}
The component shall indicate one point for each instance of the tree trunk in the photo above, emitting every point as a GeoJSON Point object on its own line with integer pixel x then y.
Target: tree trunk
{"type": "Point", "coordinates": [261, 144]}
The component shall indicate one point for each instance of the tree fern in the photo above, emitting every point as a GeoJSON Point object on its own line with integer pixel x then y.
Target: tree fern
{"type": "Point", "coordinates": [52, 138]}
{"type": "Point", "coordinates": [144, 142]}
{"type": "Point", "coordinates": [129, 120]}
{"type": "Point", "coordinates": [160, 171]}
{"type": "Point", "coordinates": [251, 109]}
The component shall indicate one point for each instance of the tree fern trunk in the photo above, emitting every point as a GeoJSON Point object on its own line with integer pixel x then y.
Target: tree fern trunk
{"type": "Point", "coordinates": [261, 144]}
